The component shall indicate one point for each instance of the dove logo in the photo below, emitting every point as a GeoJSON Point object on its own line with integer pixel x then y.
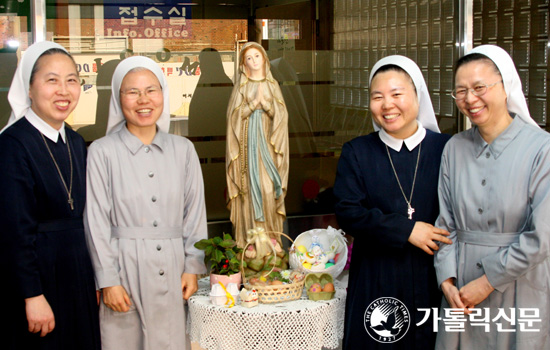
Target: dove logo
{"type": "Point", "coordinates": [387, 320]}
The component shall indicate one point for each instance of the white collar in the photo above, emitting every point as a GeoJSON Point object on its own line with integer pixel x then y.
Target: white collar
{"type": "Point", "coordinates": [411, 142]}
{"type": "Point", "coordinates": [44, 127]}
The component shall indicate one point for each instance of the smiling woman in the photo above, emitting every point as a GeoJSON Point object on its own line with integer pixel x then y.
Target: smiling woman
{"type": "Point", "coordinates": [54, 89]}
{"type": "Point", "coordinates": [386, 191]}
{"type": "Point", "coordinates": [142, 103]}
{"type": "Point", "coordinates": [499, 258]}
{"type": "Point", "coordinates": [394, 104]}
{"type": "Point", "coordinates": [145, 211]}
{"type": "Point", "coordinates": [44, 262]}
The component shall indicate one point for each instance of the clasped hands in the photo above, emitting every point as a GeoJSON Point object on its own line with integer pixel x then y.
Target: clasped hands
{"type": "Point", "coordinates": [424, 236]}
{"type": "Point", "coordinates": [259, 102]}
{"type": "Point", "coordinates": [468, 296]}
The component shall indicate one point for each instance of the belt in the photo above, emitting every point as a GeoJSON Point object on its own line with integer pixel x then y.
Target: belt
{"type": "Point", "coordinates": [490, 239]}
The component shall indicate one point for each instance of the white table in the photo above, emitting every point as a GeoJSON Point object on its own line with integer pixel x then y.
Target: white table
{"type": "Point", "coordinates": [300, 324]}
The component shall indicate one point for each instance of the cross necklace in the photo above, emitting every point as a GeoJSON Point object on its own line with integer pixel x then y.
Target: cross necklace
{"type": "Point", "coordinates": [410, 209]}
{"type": "Point", "coordinates": [69, 189]}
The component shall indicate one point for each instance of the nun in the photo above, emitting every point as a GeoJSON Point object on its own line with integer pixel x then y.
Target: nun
{"type": "Point", "coordinates": [145, 210]}
{"type": "Point", "coordinates": [386, 192]}
{"type": "Point", "coordinates": [49, 298]}
{"type": "Point", "coordinates": [494, 190]}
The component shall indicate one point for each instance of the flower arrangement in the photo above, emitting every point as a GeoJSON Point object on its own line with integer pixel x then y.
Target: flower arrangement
{"type": "Point", "coordinates": [222, 254]}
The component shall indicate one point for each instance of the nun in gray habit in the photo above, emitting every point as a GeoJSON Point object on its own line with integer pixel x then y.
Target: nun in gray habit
{"type": "Point", "coordinates": [494, 199]}
{"type": "Point", "coordinates": [145, 210]}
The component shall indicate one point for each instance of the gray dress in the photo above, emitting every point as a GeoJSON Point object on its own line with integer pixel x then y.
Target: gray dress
{"type": "Point", "coordinates": [145, 210]}
{"type": "Point", "coordinates": [495, 201]}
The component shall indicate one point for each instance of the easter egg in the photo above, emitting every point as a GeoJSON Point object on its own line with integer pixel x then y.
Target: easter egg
{"type": "Point", "coordinates": [306, 265]}
{"type": "Point", "coordinates": [276, 283]}
{"type": "Point", "coordinates": [309, 258]}
{"type": "Point", "coordinates": [317, 267]}
{"type": "Point", "coordinates": [328, 287]}
{"type": "Point", "coordinates": [315, 288]}
{"type": "Point", "coordinates": [302, 249]}
{"type": "Point", "coordinates": [327, 265]}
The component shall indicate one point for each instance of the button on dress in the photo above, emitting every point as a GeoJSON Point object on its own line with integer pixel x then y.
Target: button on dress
{"type": "Point", "coordinates": [145, 210]}
{"type": "Point", "coordinates": [495, 202]}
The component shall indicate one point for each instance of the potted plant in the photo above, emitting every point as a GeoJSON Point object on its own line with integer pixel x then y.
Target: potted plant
{"type": "Point", "coordinates": [222, 254]}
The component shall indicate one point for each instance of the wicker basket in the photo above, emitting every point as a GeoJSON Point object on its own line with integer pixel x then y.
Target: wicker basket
{"type": "Point", "coordinates": [276, 293]}
{"type": "Point", "coordinates": [328, 237]}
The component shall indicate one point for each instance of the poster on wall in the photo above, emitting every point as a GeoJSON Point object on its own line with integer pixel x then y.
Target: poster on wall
{"type": "Point", "coordinates": [181, 80]}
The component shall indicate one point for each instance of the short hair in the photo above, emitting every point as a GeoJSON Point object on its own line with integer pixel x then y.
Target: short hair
{"type": "Point", "coordinates": [52, 51]}
{"type": "Point", "coordinates": [393, 68]}
{"type": "Point", "coordinates": [473, 57]}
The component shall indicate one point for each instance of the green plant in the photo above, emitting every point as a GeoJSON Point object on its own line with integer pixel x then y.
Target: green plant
{"type": "Point", "coordinates": [222, 254]}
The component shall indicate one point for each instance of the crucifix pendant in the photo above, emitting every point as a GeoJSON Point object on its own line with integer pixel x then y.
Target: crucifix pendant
{"type": "Point", "coordinates": [410, 211]}
{"type": "Point", "coordinates": [71, 201]}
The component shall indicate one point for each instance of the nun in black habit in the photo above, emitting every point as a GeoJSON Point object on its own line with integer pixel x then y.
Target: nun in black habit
{"type": "Point", "coordinates": [386, 191]}
{"type": "Point", "coordinates": [48, 293]}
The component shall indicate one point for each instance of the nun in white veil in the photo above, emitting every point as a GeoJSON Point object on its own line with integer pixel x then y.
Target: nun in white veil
{"type": "Point", "coordinates": [145, 210]}
{"type": "Point", "coordinates": [494, 191]}
{"type": "Point", "coordinates": [48, 293]}
{"type": "Point", "coordinates": [386, 191]}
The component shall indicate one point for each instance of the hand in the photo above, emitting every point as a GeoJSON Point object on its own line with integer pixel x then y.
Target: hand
{"type": "Point", "coordinates": [424, 236]}
{"type": "Point", "coordinates": [452, 295]}
{"type": "Point", "coordinates": [258, 101]}
{"type": "Point", "coordinates": [116, 298]}
{"type": "Point", "coordinates": [39, 315]}
{"type": "Point", "coordinates": [476, 291]}
{"type": "Point", "coordinates": [189, 285]}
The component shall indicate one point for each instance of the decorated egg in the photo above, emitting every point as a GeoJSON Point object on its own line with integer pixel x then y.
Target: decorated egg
{"type": "Point", "coordinates": [318, 267]}
{"type": "Point", "coordinates": [306, 265]}
{"type": "Point", "coordinates": [302, 249]}
{"type": "Point", "coordinates": [308, 257]}
{"type": "Point", "coordinates": [327, 265]}
{"type": "Point", "coordinates": [276, 283]}
{"type": "Point", "coordinates": [315, 288]}
{"type": "Point", "coordinates": [328, 287]}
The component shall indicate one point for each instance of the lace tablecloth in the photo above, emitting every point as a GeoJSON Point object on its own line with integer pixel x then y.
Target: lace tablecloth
{"type": "Point", "coordinates": [300, 324]}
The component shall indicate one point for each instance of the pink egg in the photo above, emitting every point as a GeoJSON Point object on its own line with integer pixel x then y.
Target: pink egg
{"type": "Point", "coordinates": [315, 288]}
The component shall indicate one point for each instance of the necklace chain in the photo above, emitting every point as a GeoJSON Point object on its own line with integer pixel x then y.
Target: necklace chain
{"type": "Point", "coordinates": [410, 209]}
{"type": "Point", "coordinates": [69, 189]}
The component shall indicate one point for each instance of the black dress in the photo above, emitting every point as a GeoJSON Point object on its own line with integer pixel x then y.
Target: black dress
{"type": "Point", "coordinates": [371, 208]}
{"type": "Point", "coordinates": [42, 244]}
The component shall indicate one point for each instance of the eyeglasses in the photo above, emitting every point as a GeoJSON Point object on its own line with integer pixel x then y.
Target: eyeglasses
{"type": "Point", "coordinates": [478, 90]}
{"type": "Point", "coordinates": [134, 94]}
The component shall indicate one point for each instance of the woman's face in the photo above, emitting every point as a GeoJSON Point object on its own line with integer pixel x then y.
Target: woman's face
{"type": "Point", "coordinates": [393, 103]}
{"type": "Point", "coordinates": [490, 108]}
{"type": "Point", "coordinates": [254, 61]}
{"type": "Point", "coordinates": [141, 99]}
{"type": "Point", "coordinates": [55, 89]}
